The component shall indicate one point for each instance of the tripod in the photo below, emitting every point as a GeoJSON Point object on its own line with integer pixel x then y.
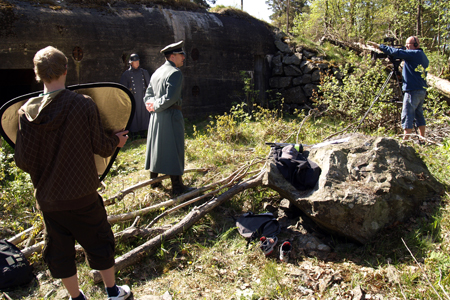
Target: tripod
{"type": "Point", "coordinates": [398, 86]}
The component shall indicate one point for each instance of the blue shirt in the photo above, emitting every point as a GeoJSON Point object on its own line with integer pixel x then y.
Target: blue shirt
{"type": "Point", "coordinates": [412, 80]}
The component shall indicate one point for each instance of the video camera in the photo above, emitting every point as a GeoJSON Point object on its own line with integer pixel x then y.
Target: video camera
{"type": "Point", "coordinates": [395, 61]}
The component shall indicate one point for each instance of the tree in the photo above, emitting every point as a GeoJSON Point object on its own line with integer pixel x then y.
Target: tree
{"type": "Point", "coordinates": [205, 3]}
{"type": "Point", "coordinates": [279, 9]}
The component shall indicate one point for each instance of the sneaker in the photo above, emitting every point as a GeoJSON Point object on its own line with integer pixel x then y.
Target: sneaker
{"type": "Point", "coordinates": [267, 244]}
{"type": "Point", "coordinates": [285, 249]}
{"type": "Point", "coordinates": [124, 293]}
{"type": "Point", "coordinates": [70, 298]}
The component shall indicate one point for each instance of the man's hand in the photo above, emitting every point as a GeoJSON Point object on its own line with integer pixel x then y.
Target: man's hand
{"type": "Point", "coordinates": [373, 44]}
{"type": "Point", "coordinates": [123, 137]}
{"type": "Point", "coordinates": [149, 106]}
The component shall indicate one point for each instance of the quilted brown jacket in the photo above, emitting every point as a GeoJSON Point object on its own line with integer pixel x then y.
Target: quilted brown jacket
{"type": "Point", "coordinates": [57, 149]}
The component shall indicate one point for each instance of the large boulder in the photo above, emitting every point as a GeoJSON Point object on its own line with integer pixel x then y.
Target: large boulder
{"type": "Point", "coordinates": [366, 184]}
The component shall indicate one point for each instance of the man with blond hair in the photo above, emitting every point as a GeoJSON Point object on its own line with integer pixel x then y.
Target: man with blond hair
{"type": "Point", "coordinates": [59, 133]}
{"type": "Point", "coordinates": [414, 83]}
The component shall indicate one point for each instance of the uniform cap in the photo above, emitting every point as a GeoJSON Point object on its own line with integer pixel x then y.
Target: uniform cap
{"type": "Point", "coordinates": [175, 48]}
{"type": "Point", "coordinates": [134, 57]}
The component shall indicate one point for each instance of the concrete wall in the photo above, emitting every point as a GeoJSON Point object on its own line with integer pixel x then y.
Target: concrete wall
{"type": "Point", "coordinates": [98, 43]}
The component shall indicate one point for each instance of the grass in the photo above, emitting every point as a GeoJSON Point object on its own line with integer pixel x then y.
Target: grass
{"type": "Point", "coordinates": [210, 260]}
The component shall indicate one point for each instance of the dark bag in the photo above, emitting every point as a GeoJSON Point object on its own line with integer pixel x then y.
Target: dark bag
{"type": "Point", "coordinates": [253, 226]}
{"type": "Point", "coordinates": [15, 270]}
{"type": "Point", "coordinates": [301, 172]}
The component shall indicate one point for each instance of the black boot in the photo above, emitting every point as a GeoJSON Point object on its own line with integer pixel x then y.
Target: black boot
{"type": "Point", "coordinates": [177, 185]}
{"type": "Point", "coordinates": [157, 184]}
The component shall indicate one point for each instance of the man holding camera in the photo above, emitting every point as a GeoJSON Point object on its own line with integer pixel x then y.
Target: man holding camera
{"type": "Point", "coordinates": [414, 83]}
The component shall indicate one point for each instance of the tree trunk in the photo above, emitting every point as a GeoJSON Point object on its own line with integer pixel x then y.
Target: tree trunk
{"type": "Point", "coordinates": [442, 85]}
{"type": "Point", "coordinates": [287, 17]}
{"type": "Point", "coordinates": [419, 19]}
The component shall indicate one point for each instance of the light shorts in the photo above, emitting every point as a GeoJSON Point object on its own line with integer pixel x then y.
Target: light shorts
{"type": "Point", "coordinates": [413, 109]}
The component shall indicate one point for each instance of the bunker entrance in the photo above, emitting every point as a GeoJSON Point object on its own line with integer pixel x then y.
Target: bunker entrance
{"type": "Point", "coordinates": [17, 82]}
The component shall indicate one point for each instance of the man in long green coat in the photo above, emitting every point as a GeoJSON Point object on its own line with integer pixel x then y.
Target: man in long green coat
{"type": "Point", "coordinates": [165, 138]}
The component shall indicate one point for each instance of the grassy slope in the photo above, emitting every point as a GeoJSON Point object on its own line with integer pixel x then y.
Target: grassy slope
{"type": "Point", "coordinates": [210, 260]}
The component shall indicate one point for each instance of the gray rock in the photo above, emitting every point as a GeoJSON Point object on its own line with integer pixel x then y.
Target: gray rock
{"type": "Point", "coordinates": [305, 79]}
{"type": "Point", "coordinates": [294, 95]}
{"type": "Point", "coordinates": [277, 70]}
{"type": "Point", "coordinates": [283, 47]}
{"type": "Point", "coordinates": [315, 77]}
{"type": "Point", "coordinates": [323, 66]}
{"type": "Point", "coordinates": [297, 81]}
{"type": "Point", "coordinates": [277, 60]}
{"type": "Point", "coordinates": [307, 53]}
{"type": "Point", "coordinates": [285, 203]}
{"type": "Point", "coordinates": [366, 184]}
{"type": "Point", "coordinates": [311, 245]}
{"type": "Point", "coordinates": [291, 70]}
{"type": "Point", "coordinates": [291, 60]}
{"type": "Point", "coordinates": [307, 67]}
{"type": "Point", "coordinates": [280, 82]}
{"type": "Point", "coordinates": [309, 89]}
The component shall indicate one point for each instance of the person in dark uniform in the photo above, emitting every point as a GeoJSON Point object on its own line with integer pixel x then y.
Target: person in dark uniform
{"type": "Point", "coordinates": [136, 80]}
{"type": "Point", "coordinates": [165, 140]}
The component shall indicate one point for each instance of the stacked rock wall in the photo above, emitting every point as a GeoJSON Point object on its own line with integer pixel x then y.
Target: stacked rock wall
{"type": "Point", "coordinates": [296, 73]}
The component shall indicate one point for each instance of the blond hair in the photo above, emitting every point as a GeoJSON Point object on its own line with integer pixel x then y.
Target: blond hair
{"type": "Point", "coordinates": [49, 64]}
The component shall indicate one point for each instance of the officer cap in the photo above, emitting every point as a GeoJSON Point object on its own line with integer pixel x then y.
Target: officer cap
{"type": "Point", "coordinates": [175, 48]}
{"type": "Point", "coordinates": [134, 57]}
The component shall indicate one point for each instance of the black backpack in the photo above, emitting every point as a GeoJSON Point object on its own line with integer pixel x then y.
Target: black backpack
{"type": "Point", "coordinates": [15, 270]}
{"type": "Point", "coordinates": [253, 226]}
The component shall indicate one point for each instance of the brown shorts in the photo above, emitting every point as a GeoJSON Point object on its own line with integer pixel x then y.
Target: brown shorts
{"type": "Point", "coordinates": [89, 227]}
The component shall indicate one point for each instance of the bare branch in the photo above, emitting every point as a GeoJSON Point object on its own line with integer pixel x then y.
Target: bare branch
{"type": "Point", "coordinates": [121, 194]}
{"type": "Point", "coordinates": [425, 274]}
{"type": "Point", "coordinates": [196, 214]}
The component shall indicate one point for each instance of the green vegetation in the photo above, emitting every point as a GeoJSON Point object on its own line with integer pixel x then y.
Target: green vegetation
{"type": "Point", "coordinates": [210, 260]}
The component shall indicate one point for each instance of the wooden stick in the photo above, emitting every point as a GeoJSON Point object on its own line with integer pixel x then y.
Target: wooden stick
{"type": "Point", "coordinates": [196, 214]}
{"type": "Point", "coordinates": [121, 194]}
{"type": "Point", "coordinates": [20, 237]}
{"type": "Point", "coordinates": [422, 270]}
{"type": "Point", "coordinates": [192, 201]}
{"type": "Point", "coordinates": [440, 285]}
{"type": "Point", "coordinates": [171, 202]}
{"type": "Point", "coordinates": [36, 248]}
{"type": "Point", "coordinates": [123, 235]}
{"type": "Point", "coordinates": [420, 137]}
{"type": "Point", "coordinates": [7, 296]}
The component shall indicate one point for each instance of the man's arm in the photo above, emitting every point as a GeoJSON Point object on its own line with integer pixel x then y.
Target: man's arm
{"type": "Point", "coordinates": [149, 98]}
{"type": "Point", "coordinates": [173, 89]}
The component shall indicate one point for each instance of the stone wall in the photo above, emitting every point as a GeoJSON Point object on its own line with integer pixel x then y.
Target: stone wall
{"type": "Point", "coordinates": [296, 72]}
{"type": "Point", "coordinates": [98, 42]}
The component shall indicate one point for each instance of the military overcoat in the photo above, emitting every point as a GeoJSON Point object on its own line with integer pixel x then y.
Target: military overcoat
{"type": "Point", "coordinates": [165, 137]}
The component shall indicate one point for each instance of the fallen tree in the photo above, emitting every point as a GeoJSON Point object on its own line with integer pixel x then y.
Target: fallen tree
{"type": "Point", "coordinates": [441, 85]}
